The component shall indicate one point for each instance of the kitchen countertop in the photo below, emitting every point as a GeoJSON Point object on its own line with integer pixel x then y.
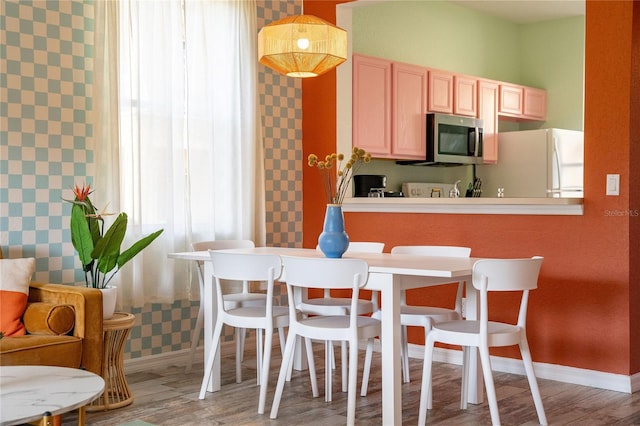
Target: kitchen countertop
{"type": "Point", "coordinates": [479, 205]}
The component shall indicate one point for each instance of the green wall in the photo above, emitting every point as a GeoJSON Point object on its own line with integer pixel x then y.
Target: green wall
{"type": "Point", "coordinates": [552, 57]}
{"type": "Point", "coordinates": [443, 35]}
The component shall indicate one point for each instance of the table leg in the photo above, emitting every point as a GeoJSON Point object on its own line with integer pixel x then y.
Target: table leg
{"type": "Point", "coordinates": [82, 416]}
{"type": "Point", "coordinates": [476, 382]}
{"type": "Point", "coordinates": [390, 342]}
{"type": "Point", "coordinates": [210, 304]}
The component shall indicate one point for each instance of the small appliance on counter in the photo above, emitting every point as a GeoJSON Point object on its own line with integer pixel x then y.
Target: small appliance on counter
{"type": "Point", "coordinates": [372, 186]}
{"type": "Point", "coordinates": [364, 184]}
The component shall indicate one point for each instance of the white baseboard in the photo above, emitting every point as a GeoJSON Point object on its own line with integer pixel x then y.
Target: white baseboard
{"type": "Point", "coordinates": [560, 373]}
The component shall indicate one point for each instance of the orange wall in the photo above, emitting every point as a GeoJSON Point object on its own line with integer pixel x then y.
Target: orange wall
{"type": "Point", "coordinates": [583, 312]}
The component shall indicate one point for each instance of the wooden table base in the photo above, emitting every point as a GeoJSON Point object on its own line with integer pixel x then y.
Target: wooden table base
{"type": "Point", "coordinates": [116, 390]}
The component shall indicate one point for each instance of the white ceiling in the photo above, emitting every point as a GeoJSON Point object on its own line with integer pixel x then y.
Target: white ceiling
{"type": "Point", "coordinates": [527, 11]}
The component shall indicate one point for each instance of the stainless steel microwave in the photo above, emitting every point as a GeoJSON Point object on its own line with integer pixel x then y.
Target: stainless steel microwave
{"type": "Point", "coordinates": [451, 140]}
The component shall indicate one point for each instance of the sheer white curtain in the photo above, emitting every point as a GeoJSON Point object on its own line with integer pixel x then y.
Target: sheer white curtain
{"type": "Point", "coordinates": [190, 148]}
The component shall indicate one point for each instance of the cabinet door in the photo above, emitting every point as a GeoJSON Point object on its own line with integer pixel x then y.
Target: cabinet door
{"type": "Point", "coordinates": [510, 100]}
{"type": "Point", "coordinates": [488, 113]}
{"type": "Point", "coordinates": [440, 91]}
{"type": "Point", "coordinates": [464, 95]}
{"type": "Point", "coordinates": [372, 105]}
{"type": "Point", "coordinates": [408, 121]}
{"type": "Point", "coordinates": [535, 103]}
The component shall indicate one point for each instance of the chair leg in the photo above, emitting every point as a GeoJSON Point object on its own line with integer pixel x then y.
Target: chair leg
{"type": "Point", "coordinates": [259, 351]}
{"type": "Point", "coordinates": [425, 390]}
{"type": "Point", "coordinates": [282, 337]}
{"type": "Point", "coordinates": [353, 377]}
{"type": "Point", "coordinates": [208, 368]}
{"type": "Point", "coordinates": [195, 338]}
{"type": "Point", "coordinates": [404, 356]}
{"type": "Point", "coordinates": [367, 368]}
{"type": "Point", "coordinates": [464, 388]}
{"type": "Point", "coordinates": [239, 353]}
{"type": "Point", "coordinates": [312, 367]}
{"type": "Point", "coordinates": [343, 358]}
{"type": "Point", "coordinates": [489, 385]}
{"type": "Point", "coordinates": [533, 383]}
{"type": "Point", "coordinates": [266, 363]}
{"type": "Point", "coordinates": [242, 339]}
{"type": "Point", "coordinates": [328, 372]}
{"type": "Point", "coordinates": [287, 361]}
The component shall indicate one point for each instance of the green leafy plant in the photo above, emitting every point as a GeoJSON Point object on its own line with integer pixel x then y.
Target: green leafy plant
{"type": "Point", "coordinates": [99, 251]}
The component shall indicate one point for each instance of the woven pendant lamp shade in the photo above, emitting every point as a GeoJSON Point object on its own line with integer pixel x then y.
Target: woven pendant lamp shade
{"type": "Point", "coordinates": [302, 46]}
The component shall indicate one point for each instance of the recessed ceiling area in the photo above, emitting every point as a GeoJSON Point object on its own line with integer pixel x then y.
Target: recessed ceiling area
{"type": "Point", "coordinates": [526, 11]}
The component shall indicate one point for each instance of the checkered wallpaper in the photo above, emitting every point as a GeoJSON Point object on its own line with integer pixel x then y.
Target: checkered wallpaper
{"type": "Point", "coordinates": [46, 61]}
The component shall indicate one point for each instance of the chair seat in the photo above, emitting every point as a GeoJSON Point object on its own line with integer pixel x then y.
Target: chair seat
{"type": "Point", "coordinates": [257, 312]}
{"type": "Point", "coordinates": [424, 316]}
{"type": "Point", "coordinates": [236, 300]}
{"type": "Point", "coordinates": [334, 306]}
{"type": "Point", "coordinates": [460, 331]}
{"type": "Point", "coordinates": [340, 322]}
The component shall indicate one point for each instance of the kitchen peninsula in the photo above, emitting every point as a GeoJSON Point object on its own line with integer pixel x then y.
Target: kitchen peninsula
{"type": "Point", "coordinates": [470, 205]}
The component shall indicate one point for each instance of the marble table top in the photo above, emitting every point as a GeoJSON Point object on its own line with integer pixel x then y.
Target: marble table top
{"type": "Point", "coordinates": [27, 392]}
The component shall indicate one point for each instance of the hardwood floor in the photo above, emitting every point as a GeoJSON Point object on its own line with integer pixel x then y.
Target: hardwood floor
{"type": "Point", "coordinates": [169, 396]}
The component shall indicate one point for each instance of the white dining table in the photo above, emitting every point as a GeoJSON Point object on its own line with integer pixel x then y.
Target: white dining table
{"type": "Point", "coordinates": [389, 274]}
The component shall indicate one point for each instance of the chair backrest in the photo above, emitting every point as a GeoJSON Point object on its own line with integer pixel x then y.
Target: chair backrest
{"type": "Point", "coordinates": [325, 273]}
{"type": "Point", "coordinates": [363, 247]}
{"type": "Point", "coordinates": [219, 245]}
{"type": "Point", "coordinates": [505, 275]}
{"type": "Point", "coordinates": [245, 267]}
{"type": "Point", "coordinates": [360, 247]}
{"type": "Point", "coordinates": [453, 251]}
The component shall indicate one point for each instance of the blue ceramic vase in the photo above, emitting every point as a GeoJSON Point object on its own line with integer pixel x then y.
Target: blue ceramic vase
{"type": "Point", "coordinates": [333, 241]}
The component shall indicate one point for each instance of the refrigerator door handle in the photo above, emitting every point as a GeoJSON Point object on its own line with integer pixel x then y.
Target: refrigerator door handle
{"type": "Point", "coordinates": [556, 164]}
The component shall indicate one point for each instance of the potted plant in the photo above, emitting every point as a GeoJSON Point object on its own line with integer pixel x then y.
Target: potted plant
{"type": "Point", "coordinates": [99, 250]}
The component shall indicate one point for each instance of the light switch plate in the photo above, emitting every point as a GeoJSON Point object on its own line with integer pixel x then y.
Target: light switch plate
{"type": "Point", "coordinates": [613, 184]}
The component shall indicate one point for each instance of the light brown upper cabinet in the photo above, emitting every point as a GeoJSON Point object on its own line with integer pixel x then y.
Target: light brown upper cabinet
{"type": "Point", "coordinates": [372, 105]}
{"type": "Point", "coordinates": [440, 91]}
{"type": "Point", "coordinates": [522, 102]}
{"type": "Point", "coordinates": [389, 106]}
{"type": "Point", "coordinates": [464, 95]}
{"type": "Point", "coordinates": [535, 104]}
{"type": "Point", "coordinates": [488, 113]}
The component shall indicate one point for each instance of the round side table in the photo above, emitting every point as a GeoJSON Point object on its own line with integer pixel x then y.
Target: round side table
{"type": "Point", "coordinates": [116, 389]}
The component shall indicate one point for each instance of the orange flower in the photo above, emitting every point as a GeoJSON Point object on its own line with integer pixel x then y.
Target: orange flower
{"type": "Point", "coordinates": [83, 192]}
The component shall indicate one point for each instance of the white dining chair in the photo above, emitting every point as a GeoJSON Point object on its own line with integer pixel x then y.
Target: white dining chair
{"type": "Point", "coordinates": [488, 275]}
{"type": "Point", "coordinates": [332, 305]}
{"type": "Point", "coordinates": [232, 299]}
{"type": "Point", "coordinates": [247, 267]}
{"type": "Point", "coordinates": [425, 316]}
{"type": "Point", "coordinates": [304, 273]}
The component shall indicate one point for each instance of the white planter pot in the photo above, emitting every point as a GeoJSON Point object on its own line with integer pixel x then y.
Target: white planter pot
{"type": "Point", "coordinates": [109, 297]}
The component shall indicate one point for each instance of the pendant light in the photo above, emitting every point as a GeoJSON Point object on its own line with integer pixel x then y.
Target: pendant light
{"type": "Point", "coordinates": [302, 46]}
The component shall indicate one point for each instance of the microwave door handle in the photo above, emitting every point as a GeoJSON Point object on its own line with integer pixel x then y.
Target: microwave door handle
{"type": "Point", "coordinates": [477, 147]}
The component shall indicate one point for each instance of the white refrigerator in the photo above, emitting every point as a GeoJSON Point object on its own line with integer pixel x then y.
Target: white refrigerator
{"type": "Point", "coordinates": [536, 163]}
